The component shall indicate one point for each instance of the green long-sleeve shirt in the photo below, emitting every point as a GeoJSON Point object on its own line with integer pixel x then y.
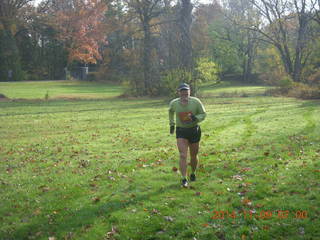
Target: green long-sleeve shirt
{"type": "Point", "coordinates": [183, 112]}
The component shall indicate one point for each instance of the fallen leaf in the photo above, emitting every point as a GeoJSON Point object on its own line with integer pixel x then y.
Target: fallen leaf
{"type": "Point", "coordinates": [168, 218]}
{"type": "Point", "coordinates": [247, 202]}
{"type": "Point", "coordinates": [95, 199]}
{"type": "Point", "coordinates": [258, 205]}
{"type": "Point", "coordinates": [44, 188]}
{"type": "Point", "coordinates": [266, 227]}
{"type": "Point", "coordinates": [242, 193]}
{"type": "Point", "coordinates": [155, 211]}
{"type": "Point", "coordinates": [113, 231]}
{"type": "Point", "coordinates": [301, 231]}
{"type": "Point", "coordinates": [237, 177]}
{"type": "Point", "coordinates": [111, 178]}
{"type": "Point", "coordinates": [37, 212]}
{"type": "Point", "coordinates": [245, 169]}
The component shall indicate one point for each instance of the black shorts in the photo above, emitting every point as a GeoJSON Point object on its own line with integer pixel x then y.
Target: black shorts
{"type": "Point", "coordinates": [192, 134]}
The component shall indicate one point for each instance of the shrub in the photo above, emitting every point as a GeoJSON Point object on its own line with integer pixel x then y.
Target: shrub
{"type": "Point", "coordinates": [171, 80]}
{"type": "Point", "coordinates": [92, 76]}
{"type": "Point", "coordinates": [2, 96]}
{"type": "Point", "coordinates": [208, 71]}
{"type": "Point", "coordinates": [314, 79]}
{"type": "Point", "coordinates": [272, 77]}
{"type": "Point", "coordinates": [298, 90]}
{"type": "Point", "coordinates": [285, 84]}
{"type": "Point", "coordinates": [304, 91]}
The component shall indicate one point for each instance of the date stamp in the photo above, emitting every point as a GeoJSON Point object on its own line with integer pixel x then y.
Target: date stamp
{"type": "Point", "coordinates": [261, 215]}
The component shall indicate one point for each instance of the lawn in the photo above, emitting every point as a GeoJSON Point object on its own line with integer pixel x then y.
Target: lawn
{"type": "Point", "coordinates": [103, 167]}
{"type": "Point", "coordinates": [59, 90]}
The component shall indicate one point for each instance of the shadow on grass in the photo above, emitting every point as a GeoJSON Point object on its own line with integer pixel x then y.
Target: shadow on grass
{"type": "Point", "coordinates": [85, 216]}
{"type": "Point", "coordinates": [310, 103]}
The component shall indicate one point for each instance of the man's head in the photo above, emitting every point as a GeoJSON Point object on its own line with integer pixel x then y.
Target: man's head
{"type": "Point", "coordinates": [184, 91]}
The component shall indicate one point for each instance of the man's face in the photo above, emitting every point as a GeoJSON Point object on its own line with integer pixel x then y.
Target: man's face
{"type": "Point", "coordinates": [184, 94]}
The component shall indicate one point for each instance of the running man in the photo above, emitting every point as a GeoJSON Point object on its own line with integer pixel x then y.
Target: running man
{"type": "Point", "coordinates": [189, 112]}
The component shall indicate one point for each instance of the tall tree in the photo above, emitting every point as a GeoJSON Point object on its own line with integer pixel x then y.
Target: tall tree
{"type": "Point", "coordinates": [81, 28]}
{"type": "Point", "coordinates": [241, 15]}
{"type": "Point", "coordinates": [316, 10]}
{"type": "Point", "coordinates": [147, 12]}
{"type": "Point", "coordinates": [9, 53]}
{"type": "Point", "coordinates": [285, 25]}
{"type": "Point", "coordinates": [184, 22]}
{"type": "Point", "coordinates": [204, 16]}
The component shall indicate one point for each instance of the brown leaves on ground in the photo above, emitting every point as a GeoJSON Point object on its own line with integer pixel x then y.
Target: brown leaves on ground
{"type": "Point", "coordinates": [110, 235]}
{"type": "Point", "coordinates": [237, 177]}
{"type": "Point", "coordinates": [44, 188]}
{"type": "Point", "coordinates": [95, 199]}
{"type": "Point", "coordinates": [246, 169]}
{"type": "Point", "coordinates": [155, 211]}
{"type": "Point", "coordinates": [247, 202]}
{"type": "Point", "coordinates": [168, 218]}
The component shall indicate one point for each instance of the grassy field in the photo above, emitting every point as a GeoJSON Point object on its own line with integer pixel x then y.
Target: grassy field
{"type": "Point", "coordinates": [103, 167]}
{"type": "Point", "coordinates": [59, 90]}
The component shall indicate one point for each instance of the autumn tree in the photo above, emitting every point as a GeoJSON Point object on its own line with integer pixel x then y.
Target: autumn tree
{"type": "Point", "coordinates": [81, 27]}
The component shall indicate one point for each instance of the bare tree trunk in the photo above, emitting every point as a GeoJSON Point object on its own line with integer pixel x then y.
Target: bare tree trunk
{"type": "Point", "coordinates": [185, 44]}
{"type": "Point", "coordinates": [147, 45]}
{"type": "Point", "coordinates": [276, 13]}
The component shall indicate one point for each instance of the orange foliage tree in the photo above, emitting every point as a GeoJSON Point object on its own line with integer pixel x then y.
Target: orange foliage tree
{"type": "Point", "coordinates": [80, 25]}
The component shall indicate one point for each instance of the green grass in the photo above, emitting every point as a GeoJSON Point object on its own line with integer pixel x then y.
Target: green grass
{"type": "Point", "coordinates": [102, 168]}
{"type": "Point", "coordinates": [232, 89]}
{"type": "Point", "coordinates": [59, 89]}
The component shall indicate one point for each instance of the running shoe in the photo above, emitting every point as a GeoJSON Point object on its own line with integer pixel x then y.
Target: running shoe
{"type": "Point", "coordinates": [192, 177]}
{"type": "Point", "coordinates": [184, 183]}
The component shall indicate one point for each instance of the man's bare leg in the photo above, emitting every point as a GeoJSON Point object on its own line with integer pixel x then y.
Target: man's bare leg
{"type": "Point", "coordinates": [194, 149]}
{"type": "Point", "coordinates": [183, 150]}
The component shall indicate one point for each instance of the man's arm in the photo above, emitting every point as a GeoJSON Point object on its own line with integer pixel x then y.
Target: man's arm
{"type": "Point", "coordinates": [171, 118]}
{"type": "Point", "coordinates": [201, 112]}
{"type": "Point", "coordinates": [171, 115]}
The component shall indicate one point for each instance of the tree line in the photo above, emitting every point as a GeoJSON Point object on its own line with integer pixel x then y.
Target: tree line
{"type": "Point", "coordinates": [152, 45]}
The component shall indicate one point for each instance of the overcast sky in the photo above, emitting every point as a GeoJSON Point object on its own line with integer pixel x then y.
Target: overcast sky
{"type": "Point", "coordinates": [202, 1]}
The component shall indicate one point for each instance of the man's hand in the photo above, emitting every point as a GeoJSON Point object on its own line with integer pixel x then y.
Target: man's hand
{"type": "Point", "coordinates": [193, 117]}
{"type": "Point", "coordinates": [171, 129]}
